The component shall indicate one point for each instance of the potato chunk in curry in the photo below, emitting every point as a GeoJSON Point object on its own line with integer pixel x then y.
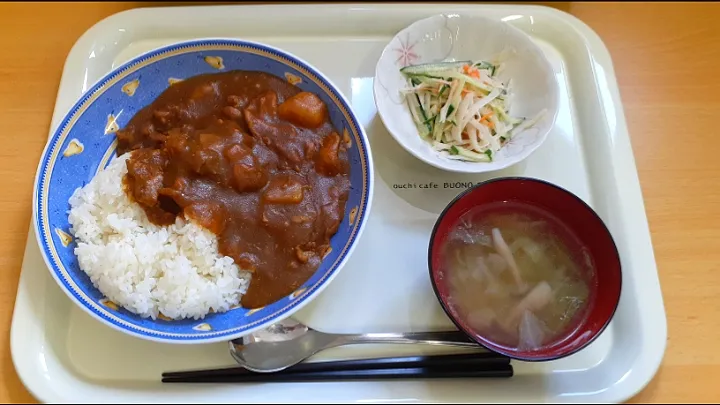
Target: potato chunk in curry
{"type": "Point", "coordinates": [304, 109]}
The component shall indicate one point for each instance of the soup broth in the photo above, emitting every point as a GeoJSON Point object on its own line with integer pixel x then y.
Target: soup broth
{"type": "Point", "coordinates": [516, 276]}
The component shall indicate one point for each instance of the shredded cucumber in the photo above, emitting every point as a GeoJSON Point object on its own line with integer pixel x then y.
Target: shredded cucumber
{"type": "Point", "coordinates": [431, 68]}
{"type": "Point", "coordinates": [462, 108]}
{"type": "Point", "coordinates": [470, 155]}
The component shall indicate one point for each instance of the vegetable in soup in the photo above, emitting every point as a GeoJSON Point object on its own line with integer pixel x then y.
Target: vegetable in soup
{"type": "Point", "coordinates": [516, 276]}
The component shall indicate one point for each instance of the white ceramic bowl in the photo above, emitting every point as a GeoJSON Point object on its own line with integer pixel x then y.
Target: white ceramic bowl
{"type": "Point", "coordinates": [455, 38]}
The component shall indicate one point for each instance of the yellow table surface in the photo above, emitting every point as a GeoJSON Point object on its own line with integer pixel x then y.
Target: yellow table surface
{"type": "Point", "coordinates": [667, 60]}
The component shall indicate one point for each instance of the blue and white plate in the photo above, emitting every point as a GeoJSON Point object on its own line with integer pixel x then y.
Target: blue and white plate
{"type": "Point", "coordinates": [85, 143]}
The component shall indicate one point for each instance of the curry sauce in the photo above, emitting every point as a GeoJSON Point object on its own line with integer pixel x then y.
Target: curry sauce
{"type": "Point", "coordinates": [251, 158]}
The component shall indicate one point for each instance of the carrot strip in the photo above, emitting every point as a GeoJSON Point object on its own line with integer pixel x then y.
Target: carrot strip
{"type": "Point", "coordinates": [487, 123]}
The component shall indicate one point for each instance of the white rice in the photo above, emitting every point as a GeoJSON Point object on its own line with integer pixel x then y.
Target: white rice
{"type": "Point", "coordinates": [149, 270]}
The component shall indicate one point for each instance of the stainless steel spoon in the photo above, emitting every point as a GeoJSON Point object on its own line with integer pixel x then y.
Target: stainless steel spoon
{"type": "Point", "coordinates": [289, 342]}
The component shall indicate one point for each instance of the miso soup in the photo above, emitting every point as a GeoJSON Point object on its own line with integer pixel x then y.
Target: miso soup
{"type": "Point", "coordinates": [517, 276]}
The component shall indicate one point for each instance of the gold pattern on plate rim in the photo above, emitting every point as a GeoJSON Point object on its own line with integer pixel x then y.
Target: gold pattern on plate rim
{"type": "Point", "coordinates": [297, 293]}
{"type": "Point", "coordinates": [346, 139]}
{"type": "Point", "coordinates": [252, 311]}
{"type": "Point", "coordinates": [164, 317]}
{"type": "Point", "coordinates": [293, 79]}
{"type": "Point", "coordinates": [107, 303]}
{"type": "Point", "coordinates": [65, 238]}
{"type": "Point", "coordinates": [75, 147]}
{"type": "Point", "coordinates": [215, 61]}
{"type": "Point", "coordinates": [203, 327]}
{"type": "Point", "coordinates": [353, 215]}
{"type": "Point", "coordinates": [111, 126]}
{"type": "Point", "coordinates": [130, 87]}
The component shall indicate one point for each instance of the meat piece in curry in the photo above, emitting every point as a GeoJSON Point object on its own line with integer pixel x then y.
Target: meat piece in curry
{"type": "Point", "coordinates": [253, 159]}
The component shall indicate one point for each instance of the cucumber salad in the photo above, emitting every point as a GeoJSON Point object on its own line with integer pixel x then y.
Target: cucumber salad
{"type": "Point", "coordinates": [462, 108]}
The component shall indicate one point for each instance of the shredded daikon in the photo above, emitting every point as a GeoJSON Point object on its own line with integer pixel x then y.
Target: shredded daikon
{"type": "Point", "coordinates": [462, 108]}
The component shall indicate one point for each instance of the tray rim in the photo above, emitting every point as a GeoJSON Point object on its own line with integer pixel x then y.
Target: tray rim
{"type": "Point", "coordinates": [589, 38]}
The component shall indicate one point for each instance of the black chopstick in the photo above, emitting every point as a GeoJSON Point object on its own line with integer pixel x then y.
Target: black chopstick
{"type": "Point", "coordinates": [472, 365]}
{"type": "Point", "coordinates": [446, 360]}
{"type": "Point", "coordinates": [504, 371]}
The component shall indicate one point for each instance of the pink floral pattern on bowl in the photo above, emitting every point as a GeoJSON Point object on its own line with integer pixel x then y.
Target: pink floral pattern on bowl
{"type": "Point", "coordinates": [406, 52]}
{"type": "Point", "coordinates": [456, 37]}
{"type": "Point", "coordinates": [412, 47]}
{"type": "Point", "coordinates": [518, 144]}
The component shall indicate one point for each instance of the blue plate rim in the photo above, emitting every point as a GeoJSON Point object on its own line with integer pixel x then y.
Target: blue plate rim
{"type": "Point", "coordinates": [51, 150]}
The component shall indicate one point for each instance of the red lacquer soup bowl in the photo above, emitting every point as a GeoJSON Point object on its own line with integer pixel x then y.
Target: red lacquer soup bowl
{"type": "Point", "coordinates": [577, 223]}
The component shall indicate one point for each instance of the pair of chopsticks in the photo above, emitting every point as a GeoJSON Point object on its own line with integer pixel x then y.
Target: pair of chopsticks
{"type": "Point", "coordinates": [475, 365]}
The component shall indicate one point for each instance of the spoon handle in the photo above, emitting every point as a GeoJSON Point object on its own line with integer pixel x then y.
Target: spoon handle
{"type": "Point", "coordinates": [449, 338]}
